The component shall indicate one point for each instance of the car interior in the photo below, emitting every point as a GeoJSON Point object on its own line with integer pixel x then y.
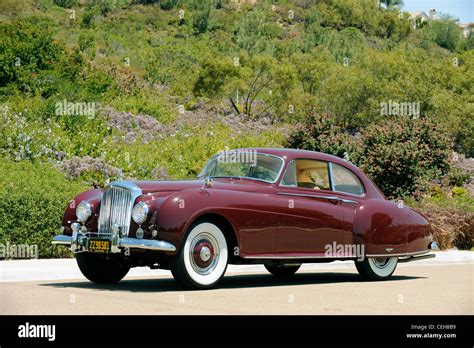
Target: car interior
{"type": "Point", "coordinates": [314, 175]}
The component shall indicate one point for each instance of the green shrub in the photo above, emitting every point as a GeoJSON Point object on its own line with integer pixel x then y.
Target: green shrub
{"type": "Point", "coordinates": [321, 133]}
{"type": "Point", "coordinates": [403, 155]}
{"type": "Point", "coordinates": [26, 47]}
{"type": "Point", "coordinates": [457, 177]}
{"type": "Point", "coordinates": [33, 198]}
{"type": "Point", "coordinates": [146, 103]}
{"type": "Point", "coordinates": [168, 4]}
{"type": "Point", "coordinates": [347, 43]}
{"type": "Point", "coordinates": [66, 3]}
{"type": "Point", "coordinates": [444, 33]}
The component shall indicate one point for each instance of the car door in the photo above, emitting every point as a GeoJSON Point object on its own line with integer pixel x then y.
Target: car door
{"type": "Point", "coordinates": [311, 216]}
{"type": "Point", "coordinates": [349, 189]}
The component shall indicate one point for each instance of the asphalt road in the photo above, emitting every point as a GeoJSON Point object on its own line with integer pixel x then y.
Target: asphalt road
{"type": "Point", "coordinates": [441, 286]}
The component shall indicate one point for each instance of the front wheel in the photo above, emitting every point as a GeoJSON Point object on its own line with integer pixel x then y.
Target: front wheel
{"type": "Point", "coordinates": [100, 269]}
{"type": "Point", "coordinates": [202, 260]}
{"type": "Point", "coordinates": [375, 268]}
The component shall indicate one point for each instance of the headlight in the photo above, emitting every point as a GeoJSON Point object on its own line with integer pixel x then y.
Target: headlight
{"type": "Point", "coordinates": [83, 211]}
{"type": "Point", "coordinates": [140, 212]}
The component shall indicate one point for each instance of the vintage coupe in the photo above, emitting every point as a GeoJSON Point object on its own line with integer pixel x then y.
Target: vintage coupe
{"type": "Point", "coordinates": [276, 207]}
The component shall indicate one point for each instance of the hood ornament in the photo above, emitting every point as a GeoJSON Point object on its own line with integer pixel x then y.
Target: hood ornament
{"type": "Point", "coordinates": [389, 250]}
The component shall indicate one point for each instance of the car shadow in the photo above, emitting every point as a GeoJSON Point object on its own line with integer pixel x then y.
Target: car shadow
{"type": "Point", "coordinates": [232, 281]}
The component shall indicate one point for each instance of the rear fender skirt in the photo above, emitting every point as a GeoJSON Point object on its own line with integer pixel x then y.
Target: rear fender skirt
{"type": "Point", "coordinates": [387, 228]}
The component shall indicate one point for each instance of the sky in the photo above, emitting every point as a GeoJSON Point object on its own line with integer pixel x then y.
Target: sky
{"type": "Point", "coordinates": [462, 9]}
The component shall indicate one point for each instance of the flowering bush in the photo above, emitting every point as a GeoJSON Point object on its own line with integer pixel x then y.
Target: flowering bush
{"type": "Point", "coordinates": [22, 139]}
{"type": "Point", "coordinates": [93, 170]}
{"type": "Point", "coordinates": [401, 155]}
{"type": "Point", "coordinates": [321, 133]}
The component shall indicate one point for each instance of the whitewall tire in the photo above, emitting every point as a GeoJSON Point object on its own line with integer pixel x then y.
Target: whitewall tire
{"type": "Point", "coordinates": [374, 268]}
{"type": "Point", "coordinates": [202, 261]}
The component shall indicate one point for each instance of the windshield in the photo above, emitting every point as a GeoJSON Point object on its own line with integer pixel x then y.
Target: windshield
{"type": "Point", "coordinates": [247, 164]}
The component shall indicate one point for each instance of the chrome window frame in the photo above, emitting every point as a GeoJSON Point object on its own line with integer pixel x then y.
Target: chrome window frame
{"type": "Point", "coordinates": [281, 184]}
{"type": "Point", "coordinates": [350, 171]}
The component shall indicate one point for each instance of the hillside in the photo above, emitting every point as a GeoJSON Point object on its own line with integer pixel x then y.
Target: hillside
{"type": "Point", "coordinates": [101, 90]}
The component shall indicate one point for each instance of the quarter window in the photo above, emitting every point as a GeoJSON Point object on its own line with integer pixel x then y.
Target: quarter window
{"type": "Point", "coordinates": [346, 181]}
{"type": "Point", "coordinates": [289, 179]}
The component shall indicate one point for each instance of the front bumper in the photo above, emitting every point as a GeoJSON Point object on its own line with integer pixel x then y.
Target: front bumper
{"type": "Point", "coordinates": [79, 242]}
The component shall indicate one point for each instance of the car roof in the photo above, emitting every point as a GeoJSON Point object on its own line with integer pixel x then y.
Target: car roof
{"type": "Point", "coordinates": [290, 154]}
{"type": "Point", "coordinates": [372, 191]}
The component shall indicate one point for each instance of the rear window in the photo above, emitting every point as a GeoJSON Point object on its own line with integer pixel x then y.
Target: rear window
{"type": "Point", "coordinates": [346, 181]}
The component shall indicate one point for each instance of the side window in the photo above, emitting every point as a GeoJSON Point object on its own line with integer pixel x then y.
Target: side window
{"type": "Point", "coordinates": [346, 181]}
{"type": "Point", "coordinates": [312, 174]}
{"type": "Point", "coordinates": [289, 179]}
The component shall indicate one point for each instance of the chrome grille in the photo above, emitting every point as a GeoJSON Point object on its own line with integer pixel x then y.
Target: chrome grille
{"type": "Point", "coordinates": [116, 208]}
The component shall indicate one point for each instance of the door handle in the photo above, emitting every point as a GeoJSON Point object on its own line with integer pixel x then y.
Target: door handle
{"type": "Point", "coordinates": [344, 200]}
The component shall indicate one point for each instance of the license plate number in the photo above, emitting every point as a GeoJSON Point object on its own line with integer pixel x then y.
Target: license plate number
{"type": "Point", "coordinates": [99, 245]}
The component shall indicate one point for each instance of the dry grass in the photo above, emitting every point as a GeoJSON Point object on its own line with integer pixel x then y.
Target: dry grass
{"type": "Point", "coordinates": [451, 227]}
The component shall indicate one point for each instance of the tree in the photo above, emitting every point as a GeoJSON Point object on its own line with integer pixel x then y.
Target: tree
{"type": "Point", "coordinates": [254, 33]}
{"type": "Point", "coordinates": [392, 3]}
{"type": "Point", "coordinates": [264, 84]}
{"type": "Point", "coordinates": [445, 33]}
{"type": "Point", "coordinates": [216, 73]}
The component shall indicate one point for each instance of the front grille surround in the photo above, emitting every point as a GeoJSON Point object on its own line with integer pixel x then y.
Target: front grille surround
{"type": "Point", "coordinates": [116, 207]}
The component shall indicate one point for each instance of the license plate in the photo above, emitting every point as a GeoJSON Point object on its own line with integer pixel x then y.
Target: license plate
{"type": "Point", "coordinates": [99, 245]}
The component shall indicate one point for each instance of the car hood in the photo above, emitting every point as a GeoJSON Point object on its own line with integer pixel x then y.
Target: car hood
{"type": "Point", "coordinates": [247, 185]}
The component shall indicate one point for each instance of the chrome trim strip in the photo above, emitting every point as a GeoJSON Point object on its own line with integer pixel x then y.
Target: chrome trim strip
{"type": "Point", "coordinates": [331, 178]}
{"type": "Point", "coordinates": [345, 200]}
{"type": "Point", "coordinates": [318, 256]}
{"type": "Point", "coordinates": [399, 255]}
{"type": "Point", "coordinates": [416, 258]}
{"type": "Point", "coordinates": [147, 244]}
{"type": "Point", "coordinates": [334, 198]}
{"type": "Point", "coordinates": [298, 257]}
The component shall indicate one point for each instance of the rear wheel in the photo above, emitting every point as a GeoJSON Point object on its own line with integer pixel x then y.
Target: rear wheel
{"type": "Point", "coordinates": [100, 269]}
{"type": "Point", "coordinates": [202, 260]}
{"type": "Point", "coordinates": [282, 270]}
{"type": "Point", "coordinates": [375, 268]}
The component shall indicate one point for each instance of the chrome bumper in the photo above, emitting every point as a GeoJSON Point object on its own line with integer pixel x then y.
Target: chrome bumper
{"type": "Point", "coordinates": [417, 258]}
{"type": "Point", "coordinates": [79, 242]}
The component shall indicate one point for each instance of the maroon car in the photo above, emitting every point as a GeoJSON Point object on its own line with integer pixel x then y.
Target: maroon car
{"type": "Point", "coordinates": [276, 207]}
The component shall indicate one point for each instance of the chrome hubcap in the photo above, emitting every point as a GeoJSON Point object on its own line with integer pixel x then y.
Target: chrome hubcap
{"type": "Point", "coordinates": [204, 253]}
{"type": "Point", "coordinates": [381, 263]}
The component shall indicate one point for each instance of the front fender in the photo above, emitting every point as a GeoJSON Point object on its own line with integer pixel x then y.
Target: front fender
{"type": "Point", "coordinates": [91, 196]}
{"type": "Point", "coordinates": [246, 212]}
